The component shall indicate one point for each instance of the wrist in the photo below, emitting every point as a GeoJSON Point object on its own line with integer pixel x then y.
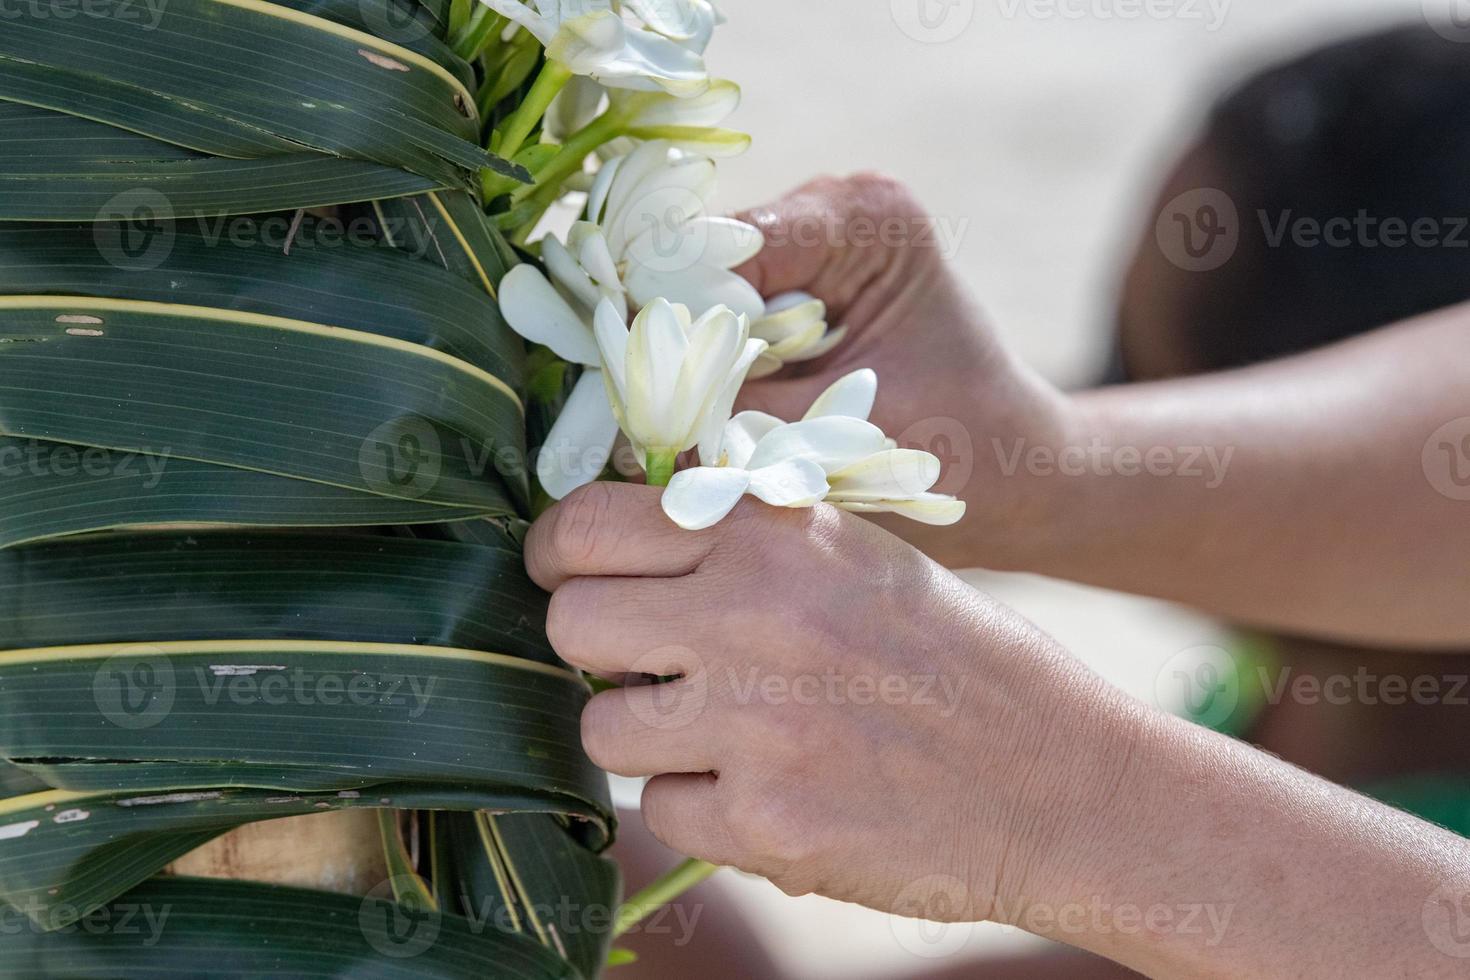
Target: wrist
{"type": "Point", "coordinates": [1031, 497]}
{"type": "Point", "coordinates": [1077, 827]}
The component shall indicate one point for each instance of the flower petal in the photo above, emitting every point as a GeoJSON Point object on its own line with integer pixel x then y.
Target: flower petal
{"type": "Point", "coordinates": [648, 57]}
{"type": "Point", "coordinates": [678, 19]}
{"type": "Point", "coordinates": [580, 443]}
{"type": "Point", "coordinates": [657, 346]}
{"type": "Point", "coordinates": [727, 242]}
{"type": "Point", "coordinates": [721, 144]}
{"type": "Point", "coordinates": [702, 497]}
{"type": "Point", "coordinates": [764, 367]}
{"type": "Point", "coordinates": [833, 443]}
{"type": "Point", "coordinates": [715, 341]}
{"type": "Point", "coordinates": [709, 109]}
{"type": "Point", "coordinates": [699, 287]}
{"type": "Point", "coordinates": [889, 474]}
{"type": "Point", "coordinates": [787, 316]}
{"type": "Point", "coordinates": [712, 428]}
{"type": "Point", "coordinates": [742, 434]}
{"type": "Point", "coordinates": [792, 347]}
{"type": "Point", "coordinates": [589, 44]}
{"type": "Point", "coordinates": [568, 274]}
{"type": "Point", "coordinates": [542, 28]}
{"type": "Point", "coordinates": [851, 395]}
{"type": "Point", "coordinates": [601, 185]}
{"type": "Point", "coordinates": [645, 223]}
{"type": "Point", "coordinates": [827, 344]}
{"type": "Point", "coordinates": [575, 106]}
{"type": "Point", "coordinates": [536, 311]}
{"type": "Point", "coordinates": [590, 245]}
{"type": "Point", "coordinates": [930, 508]}
{"type": "Point", "coordinates": [792, 483]}
{"type": "Point", "coordinates": [611, 330]}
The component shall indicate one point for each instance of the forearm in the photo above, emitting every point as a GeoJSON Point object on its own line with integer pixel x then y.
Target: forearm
{"type": "Point", "coordinates": [1315, 494]}
{"type": "Point", "coordinates": [1210, 859]}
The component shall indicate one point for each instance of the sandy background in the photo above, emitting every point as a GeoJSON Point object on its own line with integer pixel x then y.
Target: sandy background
{"type": "Point", "coordinates": [1039, 138]}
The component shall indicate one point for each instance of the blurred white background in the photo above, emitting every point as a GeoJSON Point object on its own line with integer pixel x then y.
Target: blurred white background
{"type": "Point", "coordinates": [1038, 130]}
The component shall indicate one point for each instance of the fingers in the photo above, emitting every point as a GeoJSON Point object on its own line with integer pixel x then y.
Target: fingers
{"type": "Point", "coordinates": [682, 811]}
{"type": "Point", "coordinates": [826, 238]}
{"type": "Point", "coordinates": [610, 529]}
{"type": "Point", "coordinates": [616, 626]}
{"type": "Point", "coordinates": [649, 730]}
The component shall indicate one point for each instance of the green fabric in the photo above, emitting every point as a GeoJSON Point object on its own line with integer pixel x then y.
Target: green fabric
{"type": "Point", "coordinates": [1440, 798]}
{"type": "Point", "coordinates": [1235, 706]}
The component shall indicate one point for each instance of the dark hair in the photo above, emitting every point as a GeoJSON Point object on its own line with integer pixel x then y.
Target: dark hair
{"type": "Point", "coordinates": [1377, 126]}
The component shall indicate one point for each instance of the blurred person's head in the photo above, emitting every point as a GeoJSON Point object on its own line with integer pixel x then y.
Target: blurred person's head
{"type": "Point", "coordinates": [1335, 163]}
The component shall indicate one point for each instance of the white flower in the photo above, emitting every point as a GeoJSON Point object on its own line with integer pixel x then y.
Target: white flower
{"type": "Point", "coordinates": [653, 207]}
{"type": "Point", "coordinates": [795, 325]}
{"type": "Point", "coordinates": [577, 104]}
{"type": "Point", "coordinates": [828, 455]}
{"type": "Point", "coordinates": [626, 265]}
{"type": "Point", "coordinates": [690, 124]}
{"type": "Point", "coordinates": [672, 381]}
{"type": "Point", "coordinates": [558, 313]}
{"type": "Point", "coordinates": [592, 38]}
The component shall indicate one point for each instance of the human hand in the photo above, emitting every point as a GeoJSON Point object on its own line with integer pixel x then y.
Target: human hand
{"type": "Point", "coordinates": [867, 248]}
{"type": "Point", "coordinates": [849, 718]}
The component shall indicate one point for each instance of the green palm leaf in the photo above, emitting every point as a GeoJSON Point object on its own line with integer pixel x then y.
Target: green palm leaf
{"type": "Point", "coordinates": [262, 482]}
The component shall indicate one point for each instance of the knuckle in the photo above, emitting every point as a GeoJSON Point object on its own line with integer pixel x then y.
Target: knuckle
{"type": "Point", "coordinates": [766, 534]}
{"type": "Point", "coordinates": [882, 195]}
{"type": "Point", "coordinates": [768, 828]}
{"type": "Point", "coordinates": [792, 885]}
{"type": "Point", "coordinates": [581, 524]}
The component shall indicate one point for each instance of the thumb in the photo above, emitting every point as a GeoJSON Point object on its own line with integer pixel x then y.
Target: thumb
{"type": "Point", "coordinates": [822, 238]}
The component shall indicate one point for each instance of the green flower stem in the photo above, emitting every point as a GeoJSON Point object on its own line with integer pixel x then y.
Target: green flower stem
{"type": "Point", "coordinates": [484, 24]}
{"type": "Point", "coordinates": [661, 893]}
{"type": "Point", "coordinates": [660, 468]}
{"type": "Point", "coordinates": [568, 160]}
{"type": "Point", "coordinates": [519, 124]}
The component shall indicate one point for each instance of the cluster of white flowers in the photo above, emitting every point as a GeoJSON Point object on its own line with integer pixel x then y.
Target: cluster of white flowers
{"type": "Point", "coordinates": [648, 246]}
